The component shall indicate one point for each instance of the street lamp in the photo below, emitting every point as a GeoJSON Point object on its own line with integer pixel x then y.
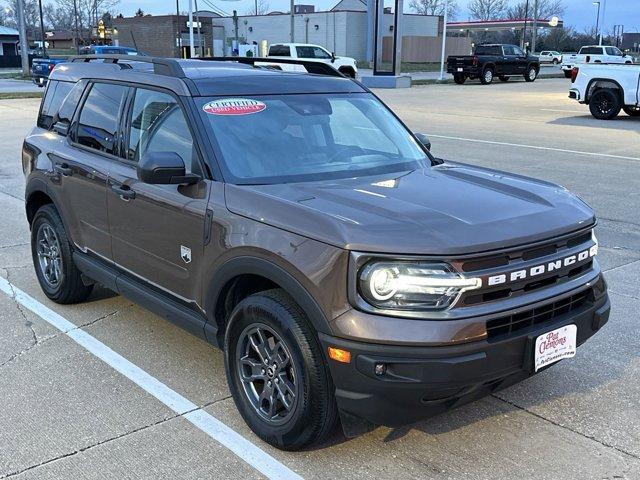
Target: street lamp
{"type": "Point", "coordinates": [597, 17]}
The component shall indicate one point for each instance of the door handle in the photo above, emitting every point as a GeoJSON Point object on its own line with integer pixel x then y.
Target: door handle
{"type": "Point", "coordinates": [63, 169]}
{"type": "Point", "coordinates": [124, 192]}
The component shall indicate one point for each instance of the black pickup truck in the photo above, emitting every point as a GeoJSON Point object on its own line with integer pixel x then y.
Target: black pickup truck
{"type": "Point", "coordinates": [495, 60]}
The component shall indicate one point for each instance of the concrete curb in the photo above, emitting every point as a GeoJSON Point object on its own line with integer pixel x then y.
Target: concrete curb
{"type": "Point", "coordinates": [450, 80]}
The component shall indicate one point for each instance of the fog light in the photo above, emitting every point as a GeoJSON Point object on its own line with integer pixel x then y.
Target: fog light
{"type": "Point", "coordinates": [380, 369]}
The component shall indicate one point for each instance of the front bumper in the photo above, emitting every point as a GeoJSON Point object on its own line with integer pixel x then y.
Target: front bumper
{"type": "Point", "coordinates": [419, 382]}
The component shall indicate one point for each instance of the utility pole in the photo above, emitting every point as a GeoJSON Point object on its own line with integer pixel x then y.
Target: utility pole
{"type": "Point", "coordinates": [200, 45]}
{"type": "Point", "coordinates": [444, 39]}
{"type": "Point", "coordinates": [293, 22]}
{"type": "Point", "coordinates": [524, 31]}
{"type": "Point", "coordinates": [178, 30]}
{"type": "Point", "coordinates": [534, 38]}
{"type": "Point", "coordinates": [597, 2]}
{"type": "Point", "coordinates": [44, 48]}
{"type": "Point", "coordinates": [24, 43]}
{"type": "Point", "coordinates": [75, 16]}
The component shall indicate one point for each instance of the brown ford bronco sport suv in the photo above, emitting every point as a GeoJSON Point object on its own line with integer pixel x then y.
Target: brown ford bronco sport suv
{"type": "Point", "coordinates": [294, 221]}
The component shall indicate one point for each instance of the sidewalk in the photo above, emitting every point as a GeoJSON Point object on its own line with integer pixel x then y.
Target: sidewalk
{"type": "Point", "coordinates": [545, 71]}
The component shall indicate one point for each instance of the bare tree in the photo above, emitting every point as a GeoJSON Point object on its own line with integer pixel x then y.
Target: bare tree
{"type": "Point", "coordinates": [434, 7]}
{"type": "Point", "coordinates": [31, 17]}
{"type": "Point", "coordinates": [487, 9]}
{"type": "Point", "coordinates": [61, 15]}
{"type": "Point", "coordinates": [546, 9]}
{"type": "Point", "coordinates": [263, 8]}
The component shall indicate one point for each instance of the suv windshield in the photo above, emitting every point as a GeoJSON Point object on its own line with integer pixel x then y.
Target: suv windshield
{"type": "Point", "coordinates": [293, 138]}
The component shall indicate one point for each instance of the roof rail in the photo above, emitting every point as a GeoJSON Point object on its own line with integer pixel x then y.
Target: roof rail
{"type": "Point", "coordinates": [162, 66]}
{"type": "Point", "coordinates": [312, 66]}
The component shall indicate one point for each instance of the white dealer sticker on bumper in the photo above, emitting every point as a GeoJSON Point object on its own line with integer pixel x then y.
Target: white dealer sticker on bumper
{"type": "Point", "coordinates": [555, 345]}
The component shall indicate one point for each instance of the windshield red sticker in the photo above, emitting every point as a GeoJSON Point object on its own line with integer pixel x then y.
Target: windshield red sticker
{"type": "Point", "coordinates": [234, 106]}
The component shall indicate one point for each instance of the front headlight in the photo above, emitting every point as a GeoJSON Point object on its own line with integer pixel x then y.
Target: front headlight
{"type": "Point", "coordinates": [406, 285]}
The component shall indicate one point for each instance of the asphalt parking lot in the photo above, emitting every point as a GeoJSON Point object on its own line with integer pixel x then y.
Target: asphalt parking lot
{"type": "Point", "coordinates": [67, 413]}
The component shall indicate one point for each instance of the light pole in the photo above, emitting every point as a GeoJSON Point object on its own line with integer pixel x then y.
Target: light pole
{"type": "Point", "coordinates": [293, 19]}
{"type": "Point", "coordinates": [24, 44]}
{"type": "Point", "coordinates": [597, 17]}
{"type": "Point", "coordinates": [44, 48]}
{"type": "Point", "coordinates": [604, 11]}
{"type": "Point", "coordinates": [444, 39]}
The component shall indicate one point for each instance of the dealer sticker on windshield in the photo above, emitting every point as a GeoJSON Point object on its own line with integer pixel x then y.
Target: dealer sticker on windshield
{"type": "Point", "coordinates": [555, 345]}
{"type": "Point", "coordinates": [234, 106]}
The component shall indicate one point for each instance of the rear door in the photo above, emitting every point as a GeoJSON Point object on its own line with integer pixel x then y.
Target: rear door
{"type": "Point", "coordinates": [81, 160]}
{"type": "Point", "coordinates": [158, 231]}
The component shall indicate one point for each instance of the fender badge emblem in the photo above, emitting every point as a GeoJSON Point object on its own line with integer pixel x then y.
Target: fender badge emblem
{"type": "Point", "coordinates": [185, 253]}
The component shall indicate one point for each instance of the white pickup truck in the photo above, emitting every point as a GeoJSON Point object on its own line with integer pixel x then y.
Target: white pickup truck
{"type": "Point", "coordinates": [607, 89]}
{"type": "Point", "coordinates": [593, 54]}
{"type": "Point", "coordinates": [345, 65]}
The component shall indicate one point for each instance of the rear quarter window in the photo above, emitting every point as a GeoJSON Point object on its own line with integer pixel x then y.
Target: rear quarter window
{"type": "Point", "coordinates": [57, 91]}
{"type": "Point", "coordinates": [591, 51]}
{"type": "Point", "coordinates": [279, 51]}
{"type": "Point", "coordinates": [488, 50]}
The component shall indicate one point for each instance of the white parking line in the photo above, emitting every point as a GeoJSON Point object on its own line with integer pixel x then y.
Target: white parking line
{"type": "Point", "coordinates": [243, 448]}
{"type": "Point", "coordinates": [537, 147]}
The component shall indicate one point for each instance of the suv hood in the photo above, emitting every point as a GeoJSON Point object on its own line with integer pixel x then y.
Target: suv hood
{"type": "Point", "coordinates": [448, 209]}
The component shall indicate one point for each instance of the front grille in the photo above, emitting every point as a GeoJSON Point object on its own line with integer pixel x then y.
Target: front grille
{"type": "Point", "coordinates": [536, 316]}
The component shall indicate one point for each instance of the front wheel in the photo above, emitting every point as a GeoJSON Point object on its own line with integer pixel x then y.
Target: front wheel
{"type": "Point", "coordinates": [531, 74]}
{"type": "Point", "coordinates": [555, 61]}
{"type": "Point", "coordinates": [631, 111]}
{"type": "Point", "coordinates": [605, 104]}
{"type": "Point", "coordinates": [277, 373]}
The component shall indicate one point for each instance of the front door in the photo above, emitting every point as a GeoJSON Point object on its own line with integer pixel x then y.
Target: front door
{"type": "Point", "coordinates": [157, 231]}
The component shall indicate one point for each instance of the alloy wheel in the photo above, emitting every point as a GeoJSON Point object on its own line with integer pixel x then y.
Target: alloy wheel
{"type": "Point", "coordinates": [49, 257]}
{"type": "Point", "coordinates": [267, 373]}
{"type": "Point", "coordinates": [532, 74]}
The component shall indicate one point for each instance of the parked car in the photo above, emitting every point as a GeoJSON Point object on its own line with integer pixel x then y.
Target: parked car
{"type": "Point", "coordinates": [345, 65]}
{"type": "Point", "coordinates": [295, 222]}
{"type": "Point", "coordinates": [594, 54]}
{"type": "Point", "coordinates": [493, 60]}
{"type": "Point", "coordinates": [607, 89]}
{"type": "Point", "coordinates": [41, 68]}
{"type": "Point", "coordinates": [550, 56]}
{"type": "Point", "coordinates": [108, 50]}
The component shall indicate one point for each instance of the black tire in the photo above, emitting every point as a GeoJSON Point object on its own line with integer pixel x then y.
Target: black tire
{"type": "Point", "coordinates": [487, 76]}
{"type": "Point", "coordinates": [313, 413]}
{"type": "Point", "coordinates": [531, 74]}
{"type": "Point", "coordinates": [567, 73]}
{"type": "Point", "coordinates": [459, 78]}
{"type": "Point", "coordinates": [631, 111]}
{"type": "Point", "coordinates": [605, 104]}
{"type": "Point", "coordinates": [504, 78]}
{"type": "Point", "coordinates": [52, 252]}
{"type": "Point", "coordinates": [555, 61]}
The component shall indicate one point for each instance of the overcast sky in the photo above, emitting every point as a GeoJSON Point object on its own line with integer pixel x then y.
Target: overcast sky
{"type": "Point", "coordinates": [581, 14]}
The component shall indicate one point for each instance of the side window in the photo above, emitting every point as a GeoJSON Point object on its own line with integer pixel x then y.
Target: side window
{"type": "Point", "coordinates": [509, 50]}
{"type": "Point", "coordinates": [279, 51]}
{"type": "Point", "coordinates": [98, 122]}
{"type": "Point", "coordinates": [305, 52]}
{"type": "Point", "coordinates": [518, 51]}
{"type": "Point", "coordinates": [320, 53]}
{"type": "Point", "coordinates": [159, 125]}
{"type": "Point", "coordinates": [56, 93]}
{"type": "Point", "coordinates": [70, 102]}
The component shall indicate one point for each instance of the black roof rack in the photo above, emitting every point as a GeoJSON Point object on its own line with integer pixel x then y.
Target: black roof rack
{"type": "Point", "coordinates": [162, 66]}
{"type": "Point", "coordinates": [171, 67]}
{"type": "Point", "coordinates": [318, 68]}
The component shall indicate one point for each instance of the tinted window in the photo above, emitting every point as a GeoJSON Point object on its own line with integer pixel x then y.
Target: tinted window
{"type": "Point", "coordinates": [279, 51]}
{"type": "Point", "coordinates": [159, 125]}
{"type": "Point", "coordinates": [509, 50]}
{"type": "Point", "coordinates": [488, 50]}
{"type": "Point", "coordinates": [70, 102]}
{"type": "Point", "coordinates": [591, 51]}
{"type": "Point", "coordinates": [613, 51]}
{"type": "Point", "coordinates": [544, 53]}
{"type": "Point", "coordinates": [518, 51]}
{"type": "Point", "coordinates": [311, 52]}
{"type": "Point", "coordinates": [98, 121]}
{"type": "Point", "coordinates": [56, 93]}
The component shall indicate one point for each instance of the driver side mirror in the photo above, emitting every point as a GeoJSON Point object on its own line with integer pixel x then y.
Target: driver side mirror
{"type": "Point", "coordinates": [61, 127]}
{"type": "Point", "coordinates": [424, 140]}
{"type": "Point", "coordinates": [164, 168]}
{"type": "Point", "coordinates": [333, 57]}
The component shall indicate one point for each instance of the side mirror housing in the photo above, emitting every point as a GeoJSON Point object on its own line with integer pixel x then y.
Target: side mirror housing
{"type": "Point", "coordinates": [333, 57]}
{"type": "Point", "coordinates": [424, 140]}
{"type": "Point", "coordinates": [164, 168]}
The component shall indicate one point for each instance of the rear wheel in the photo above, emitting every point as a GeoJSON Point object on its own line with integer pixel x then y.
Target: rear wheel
{"type": "Point", "coordinates": [605, 104]}
{"type": "Point", "coordinates": [532, 74]}
{"type": "Point", "coordinates": [58, 276]}
{"type": "Point", "coordinates": [631, 111]}
{"type": "Point", "coordinates": [459, 78]}
{"type": "Point", "coordinates": [277, 373]}
{"type": "Point", "coordinates": [503, 78]}
{"type": "Point", "coordinates": [487, 76]}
